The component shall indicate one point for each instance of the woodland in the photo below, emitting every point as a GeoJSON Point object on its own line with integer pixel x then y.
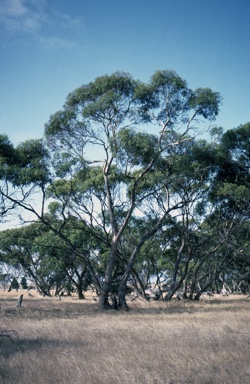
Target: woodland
{"type": "Point", "coordinates": [132, 188]}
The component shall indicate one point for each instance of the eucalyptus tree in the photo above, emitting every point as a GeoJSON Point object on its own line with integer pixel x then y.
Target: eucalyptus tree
{"type": "Point", "coordinates": [4, 280]}
{"type": "Point", "coordinates": [18, 248]}
{"type": "Point", "coordinates": [235, 271]}
{"type": "Point", "coordinates": [228, 215]}
{"type": "Point", "coordinates": [48, 262]}
{"type": "Point", "coordinates": [129, 171]}
{"type": "Point", "coordinates": [193, 247]}
{"type": "Point", "coordinates": [112, 151]}
{"type": "Point", "coordinates": [231, 195]}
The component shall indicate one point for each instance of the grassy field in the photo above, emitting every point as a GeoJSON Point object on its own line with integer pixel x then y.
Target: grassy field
{"type": "Point", "coordinates": [71, 341]}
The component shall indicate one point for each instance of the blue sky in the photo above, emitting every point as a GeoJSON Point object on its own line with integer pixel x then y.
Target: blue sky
{"type": "Point", "coordinates": [50, 47]}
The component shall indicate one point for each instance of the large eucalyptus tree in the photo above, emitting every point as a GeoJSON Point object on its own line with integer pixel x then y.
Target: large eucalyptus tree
{"type": "Point", "coordinates": [112, 151]}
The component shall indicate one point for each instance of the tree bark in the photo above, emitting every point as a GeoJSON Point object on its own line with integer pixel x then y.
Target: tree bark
{"type": "Point", "coordinates": [80, 294]}
{"type": "Point", "coordinates": [122, 304]}
{"type": "Point", "coordinates": [176, 284]}
{"type": "Point", "coordinates": [104, 300]}
{"type": "Point", "coordinates": [205, 287]}
{"type": "Point", "coordinates": [130, 263]}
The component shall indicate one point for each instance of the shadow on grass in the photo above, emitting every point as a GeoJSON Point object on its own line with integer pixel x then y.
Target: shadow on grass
{"type": "Point", "coordinates": [11, 347]}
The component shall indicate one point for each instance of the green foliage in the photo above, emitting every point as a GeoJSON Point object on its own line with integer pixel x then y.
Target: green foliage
{"type": "Point", "coordinates": [239, 194]}
{"type": "Point", "coordinates": [236, 142]}
{"type": "Point", "coordinates": [26, 164]}
{"type": "Point", "coordinates": [7, 153]}
{"type": "Point", "coordinates": [32, 163]}
{"type": "Point", "coordinates": [135, 148]}
{"type": "Point", "coordinates": [166, 96]}
{"type": "Point", "coordinates": [232, 182]}
{"type": "Point", "coordinates": [205, 102]}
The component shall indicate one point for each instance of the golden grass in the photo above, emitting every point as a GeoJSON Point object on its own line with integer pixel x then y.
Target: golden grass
{"type": "Point", "coordinates": [155, 343]}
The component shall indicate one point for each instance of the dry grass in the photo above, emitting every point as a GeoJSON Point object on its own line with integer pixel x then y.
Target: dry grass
{"type": "Point", "coordinates": [72, 342]}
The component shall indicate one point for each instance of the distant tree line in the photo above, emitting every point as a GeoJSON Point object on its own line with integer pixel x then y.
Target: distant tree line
{"type": "Point", "coordinates": [124, 191]}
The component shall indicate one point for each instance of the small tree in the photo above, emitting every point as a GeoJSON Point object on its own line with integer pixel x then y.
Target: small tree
{"type": "Point", "coordinates": [14, 284]}
{"type": "Point", "coordinates": [4, 280]}
{"type": "Point", "coordinates": [24, 283]}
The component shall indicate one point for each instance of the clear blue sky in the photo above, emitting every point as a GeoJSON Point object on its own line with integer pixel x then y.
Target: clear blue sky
{"type": "Point", "coordinates": [50, 47]}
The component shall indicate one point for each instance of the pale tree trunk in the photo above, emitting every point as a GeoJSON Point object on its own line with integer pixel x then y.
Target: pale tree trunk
{"type": "Point", "coordinates": [123, 284]}
{"type": "Point", "coordinates": [204, 288]}
{"type": "Point", "coordinates": [194, 282]}
{"type": "Point", "coordinates": [140, 291]}
{"type": "Point", "coordinates": [106, 287]}
{"type": "Point", "coordinates": [175, 285]}
{"type": "Point", "coordinates": [122, 303]}
{"type": "Point", "coordinates": [116, 235]}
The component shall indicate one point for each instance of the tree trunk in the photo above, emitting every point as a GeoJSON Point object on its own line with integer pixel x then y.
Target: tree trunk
{"type": "Point", "coordinates": [174, 288]}
{"type": "Point", "coordinates": [114, 301]}
{"type": "Point", "coordinates": [80, 294]}
{"type": "Point", "coordinates": [192, 288]}
{"type": "Point", "coordinates": [105, 288]}
{"type": "Point", "coordinates": [185, 289]}
{"type": "Point", "coordinates": [204, 288]}
{"type": "Point", "coordinates": [122, 304]}
{"type": "Point", "coordinates": [122, 287]}
{"type": "Point", "coordinates": [140, 291]}
{"type": "Point", "coordinates": [104, 300]}
{"type": "Point", "coordinates": [176, 285]}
